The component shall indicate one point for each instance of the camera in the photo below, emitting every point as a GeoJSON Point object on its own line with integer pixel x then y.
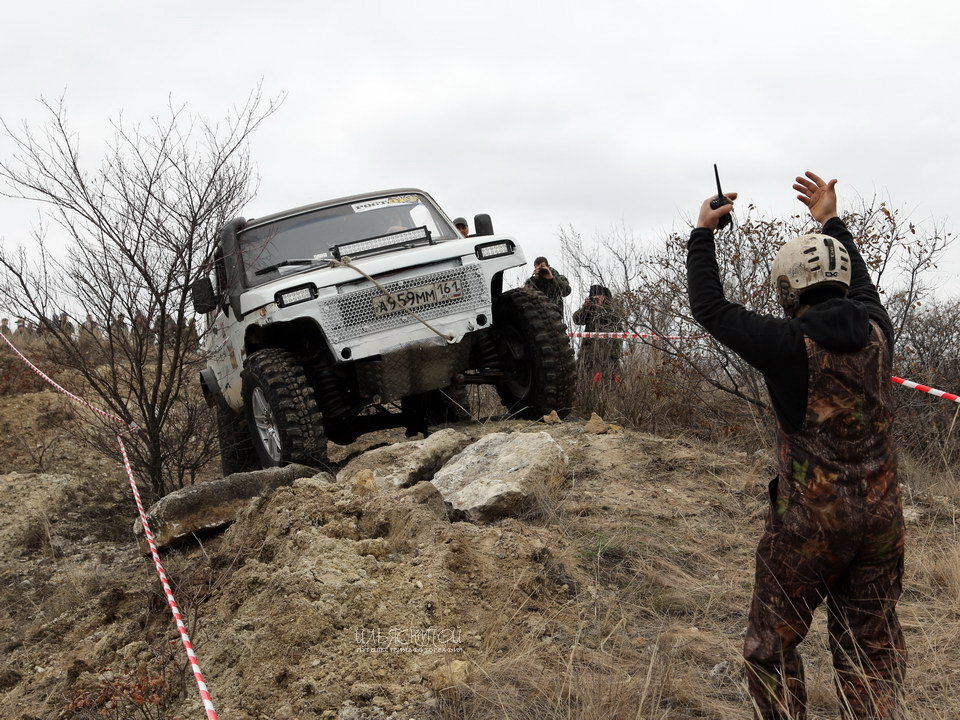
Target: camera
{"type": "Point", "coordinates": [543, 272]}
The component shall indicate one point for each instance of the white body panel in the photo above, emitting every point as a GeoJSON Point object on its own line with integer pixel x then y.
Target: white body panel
{"type": "Point", "coordinates": [343, 306]}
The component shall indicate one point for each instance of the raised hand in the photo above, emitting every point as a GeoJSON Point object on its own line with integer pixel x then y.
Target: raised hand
{"type": "Point", "coordinates": [710, 218]}
{"type": "Point", "coordinates": [819, 196]}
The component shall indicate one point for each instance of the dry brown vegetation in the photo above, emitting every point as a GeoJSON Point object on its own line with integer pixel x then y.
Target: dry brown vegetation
{"type": "Point", "coordinates": [622, 594]}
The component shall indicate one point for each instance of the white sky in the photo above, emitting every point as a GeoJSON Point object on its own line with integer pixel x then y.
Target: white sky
{"type": "Point", "coordinates": [542, 114]}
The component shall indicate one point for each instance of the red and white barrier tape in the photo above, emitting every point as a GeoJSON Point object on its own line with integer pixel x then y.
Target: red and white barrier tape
{"type": "Point", "coordinates": [174, 609]}
{"type": "Point", "coordinates": [630, 336]}
{"type": "Point", "coordinates": [69, 394]}
{"type": "Point", "coordinates": [926, 388]}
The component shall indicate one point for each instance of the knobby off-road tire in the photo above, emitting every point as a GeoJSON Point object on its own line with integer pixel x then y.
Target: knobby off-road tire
{"type": "Point", "coordinates": [237, 453]}
{"type": "Point", "coordinates": [532, 342]}
{"type": "Point", "coordinates": [437, 407]}
{"type": "Point", "coordinates": [281, 410]}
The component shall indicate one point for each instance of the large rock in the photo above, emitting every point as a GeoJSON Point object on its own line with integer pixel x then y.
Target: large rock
{"type": "Point", "coordinates": [209, 505]}
{"type": "Point", "coordinates": [497, 475]}
{"type": "Point", "coordinates": [406, 463]}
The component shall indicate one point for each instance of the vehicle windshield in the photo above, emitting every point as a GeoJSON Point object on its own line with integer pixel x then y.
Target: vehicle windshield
{"type": "Point", "coordinates": [293, 244]}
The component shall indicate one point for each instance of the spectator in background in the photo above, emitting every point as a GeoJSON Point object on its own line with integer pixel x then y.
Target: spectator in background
{"type": "Point", "coordinates": [461, 225]}
{"type": "Point", "coordinates": [90, 327]}
{"type": "Point", "coordinates": [600, 357]}
{"type": "Point", "coordinates": [552, 284]}
{"type": "Point", "coordinates": [66, 327]}
{"type": "Point", "coordinates": [5, 327]}
{"type": "Point", "coordinates": [141, 328]}
{"type": "Point", "coordinates": [21, 327]}
{"type": "Point", "coordinates": [192, 336]}
{"type": "Point", "coordinates": [118, 328]}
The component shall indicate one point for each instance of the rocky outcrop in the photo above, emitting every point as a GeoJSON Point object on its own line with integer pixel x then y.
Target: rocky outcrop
{"type": "Point", "coordinates": [407, 463]}
{"type": "Point", "coordinates": [213, 504]}
{"type": "Point", "coordinates": [497, 475]}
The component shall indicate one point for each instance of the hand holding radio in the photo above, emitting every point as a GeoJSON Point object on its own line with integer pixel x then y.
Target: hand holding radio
{"type": "Point", "coordinates": [719, 202]}
{"type": "Point", "coordinates": [715, 211]}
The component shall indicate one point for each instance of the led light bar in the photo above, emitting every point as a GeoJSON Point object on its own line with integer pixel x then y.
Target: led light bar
{"type": "Point", "coordinates": [494, 249]}
{"type": "Point", "coordinates": [296, 295]}
{"type": "Point", "coordinates": [362, 247]}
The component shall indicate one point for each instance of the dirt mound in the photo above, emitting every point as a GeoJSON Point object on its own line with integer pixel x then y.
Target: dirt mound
{"type": "Point", "coordinates": [622, 592]}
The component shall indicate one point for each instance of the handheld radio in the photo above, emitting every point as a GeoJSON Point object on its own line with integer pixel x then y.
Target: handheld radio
{"type": "Point", "coordinates": [719, 201]}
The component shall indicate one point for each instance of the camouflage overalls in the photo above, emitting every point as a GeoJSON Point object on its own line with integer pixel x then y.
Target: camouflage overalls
{"type": "Point", "coordinates": [600, 355]}
{"type": "Point", "coordinates": [834, 532]}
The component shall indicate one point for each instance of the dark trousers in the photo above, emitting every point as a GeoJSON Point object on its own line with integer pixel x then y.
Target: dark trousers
{"type": "Point", "coordinates": [845, 548]}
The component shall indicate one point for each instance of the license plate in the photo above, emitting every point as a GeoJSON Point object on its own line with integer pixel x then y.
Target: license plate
{"type": "Point", "coordinates": [417, 297]}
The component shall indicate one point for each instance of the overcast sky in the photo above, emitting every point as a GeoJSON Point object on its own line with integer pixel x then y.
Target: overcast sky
{"type": "Point", "coordinates": [541, 114]}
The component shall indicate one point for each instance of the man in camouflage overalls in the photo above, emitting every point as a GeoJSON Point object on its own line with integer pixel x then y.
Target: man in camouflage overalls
{"type": "Point", "coordinates": [599, 358]}
{"type": "Point", "coordinates": [548, 281]}
{"type": "Point", "coordinates": [834, 531]}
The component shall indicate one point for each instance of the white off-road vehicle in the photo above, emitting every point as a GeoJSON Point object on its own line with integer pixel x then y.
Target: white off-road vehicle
{"type": "Point", "coordinates": [373, 311]}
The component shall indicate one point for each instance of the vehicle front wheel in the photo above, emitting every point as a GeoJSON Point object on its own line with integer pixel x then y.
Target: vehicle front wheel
{"type": "Point", "coordinates": [534, 350]}
{"type": "Point", "coordinates": [281, 410]}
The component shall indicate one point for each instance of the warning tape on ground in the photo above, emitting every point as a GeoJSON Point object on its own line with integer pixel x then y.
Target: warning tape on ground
{"type": "Point", "coordinates": [174, 608]}
{"type": "Point", "coordinates": [629, 336]}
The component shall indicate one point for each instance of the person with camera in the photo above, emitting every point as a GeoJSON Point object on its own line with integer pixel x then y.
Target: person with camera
{"type": "Point", "coordinates": [552, 284]}
{"type": "Point", "coordinates": [600, 357]}
{"type": "Point", "coordinates": [834, 528]}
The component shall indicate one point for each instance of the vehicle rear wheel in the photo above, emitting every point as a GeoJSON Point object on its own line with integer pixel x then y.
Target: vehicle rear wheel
{"type": "Point", "coordinates": [281, 411]}
{"type": "Point", "coordinates": [532, 343]}
{"type": "Point", "coordinates": [237, 453]}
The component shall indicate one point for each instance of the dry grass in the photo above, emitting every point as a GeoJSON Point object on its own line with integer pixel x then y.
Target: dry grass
{"type": "Point", "coordinates": [653, 625]}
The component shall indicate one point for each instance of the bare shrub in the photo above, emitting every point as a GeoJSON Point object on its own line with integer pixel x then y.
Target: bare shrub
{"type": "Point", "coordinates": [674, 387]}
{"type": "Point", "coordinates": [115, 307]}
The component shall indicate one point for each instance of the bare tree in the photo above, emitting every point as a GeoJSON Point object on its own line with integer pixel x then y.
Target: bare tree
{"type": "Point", "coordinates": [139, 228]}
{"type": "Point", "coordinates": [651, 285]}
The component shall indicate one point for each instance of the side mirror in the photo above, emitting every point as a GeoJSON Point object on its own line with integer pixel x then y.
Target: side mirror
{"type": "Point", "coordinates": [204, 299]}
{"type": "Point", "coordinates": [482, 224]}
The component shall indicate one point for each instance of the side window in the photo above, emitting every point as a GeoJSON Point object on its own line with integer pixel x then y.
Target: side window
{"type": "Point", "coordinates": [421, 215]}
{"type": "Point", "coordinates": [220, 277]}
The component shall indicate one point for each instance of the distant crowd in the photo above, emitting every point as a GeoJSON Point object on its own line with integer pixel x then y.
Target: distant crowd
{"type": "Point", "coordinates": [91, 329]}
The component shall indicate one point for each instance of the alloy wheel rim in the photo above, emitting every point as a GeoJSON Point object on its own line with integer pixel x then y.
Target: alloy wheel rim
{"type": "Point", "coordinates": [267, 429]}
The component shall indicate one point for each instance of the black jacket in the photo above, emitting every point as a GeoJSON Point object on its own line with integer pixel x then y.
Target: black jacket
{"type": "Point", "coordinates": [775, 346]}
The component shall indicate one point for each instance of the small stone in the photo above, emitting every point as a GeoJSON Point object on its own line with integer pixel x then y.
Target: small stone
{"type": "Point", "coordinates": [454, 673]}
{"type": "Point", "coordinates": [721, 668]}
{"type": "Point", "coordinates": [596, 425]}
{"type": "Point", "coordinates": [364, 482]}
{"type": "Point", "coordinates": [552, 418]}
{"type": "Point", "coordinates": [349, 712]}
{"type": "Point", "coordinates": [362, 691]}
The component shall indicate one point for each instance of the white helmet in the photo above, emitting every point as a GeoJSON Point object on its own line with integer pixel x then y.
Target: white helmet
{"type": "Point", "coordinates": [812, 260]}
